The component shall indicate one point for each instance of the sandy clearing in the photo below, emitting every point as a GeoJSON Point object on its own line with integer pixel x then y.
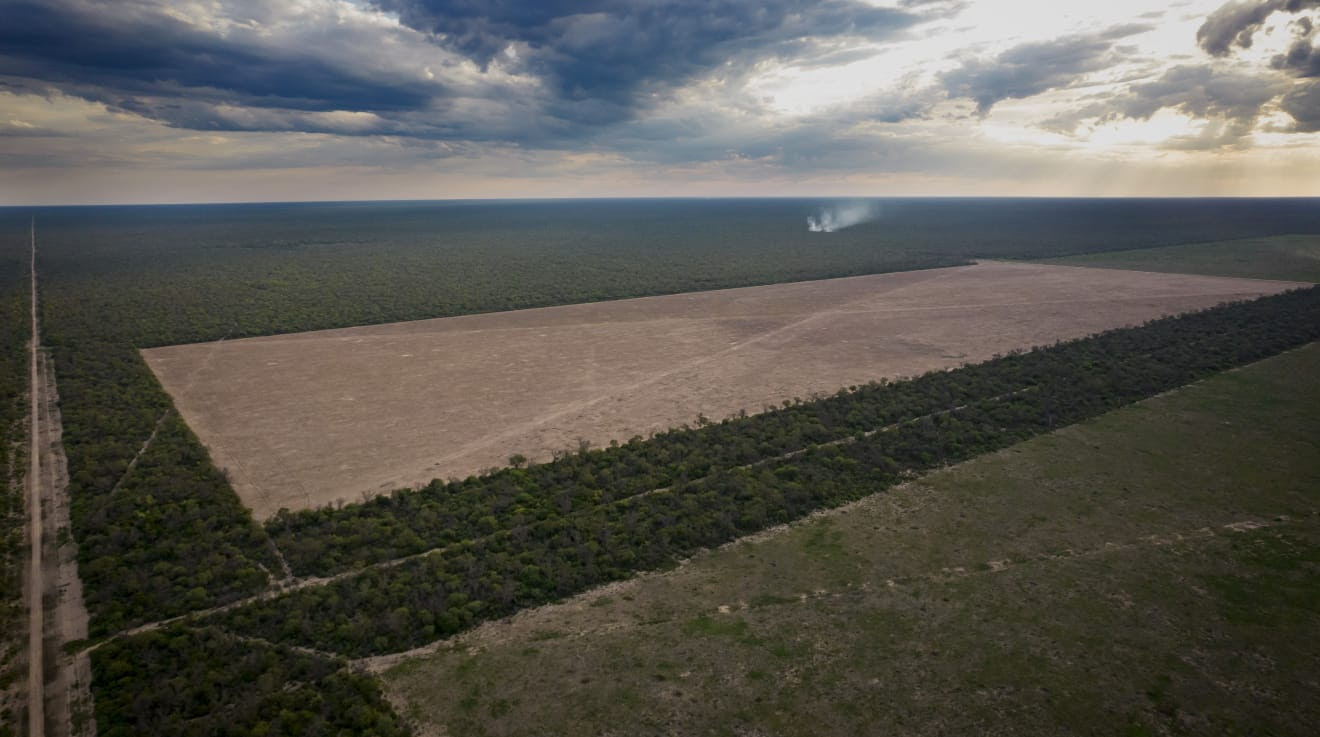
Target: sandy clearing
{"type": "Point", "coordinates": [313, 418]}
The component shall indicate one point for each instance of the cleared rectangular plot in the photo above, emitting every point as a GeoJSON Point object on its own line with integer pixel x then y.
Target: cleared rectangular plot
{"type": "Point", "coordinates": [314, 418]}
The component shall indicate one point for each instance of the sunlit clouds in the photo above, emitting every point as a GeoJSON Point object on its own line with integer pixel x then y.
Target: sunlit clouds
{"type": "Point", "coordinates": [150, 100]}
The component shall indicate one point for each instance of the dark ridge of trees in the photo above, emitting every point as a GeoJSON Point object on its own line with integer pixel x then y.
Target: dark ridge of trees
{"type": "Point", "coordinates": [200, 682]}
{"type": "Point", "coordinates": [387, 609]}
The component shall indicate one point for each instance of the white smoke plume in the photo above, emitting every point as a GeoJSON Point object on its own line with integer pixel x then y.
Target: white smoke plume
{"type": "Point", "coordinates": [842, 216]}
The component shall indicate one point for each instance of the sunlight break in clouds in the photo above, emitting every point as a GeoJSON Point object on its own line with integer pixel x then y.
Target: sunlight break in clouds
{"type": "Point", "coordinates": [238, 99]}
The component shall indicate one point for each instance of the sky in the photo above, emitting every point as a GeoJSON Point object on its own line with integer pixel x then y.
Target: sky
{"type": "Point", "coordinates": [140, 101]}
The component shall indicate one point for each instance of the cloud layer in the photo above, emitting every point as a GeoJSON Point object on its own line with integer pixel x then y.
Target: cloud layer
{"type": "Point", "coordinates": [729, 90]}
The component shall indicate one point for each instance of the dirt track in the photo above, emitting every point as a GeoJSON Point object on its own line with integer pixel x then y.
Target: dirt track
{"type": "Point", "coordinates": [308, 419]}
{"type": "Point", "coordinates": [36, 714]}
{"type": "Point", "coordinates": [68, 677]}
{"type": "Point", "coordinates": [59, 684]}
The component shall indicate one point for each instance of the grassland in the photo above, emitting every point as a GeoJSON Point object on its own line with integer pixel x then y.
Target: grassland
{"type": "Point", "coordinates": [1294, 257]}
{"type": "Point", "coordinates": [1153, 571]}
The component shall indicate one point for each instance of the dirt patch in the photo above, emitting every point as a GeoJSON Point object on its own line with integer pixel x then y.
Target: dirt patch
{"type": "Point", "coordinates": [341, 415]}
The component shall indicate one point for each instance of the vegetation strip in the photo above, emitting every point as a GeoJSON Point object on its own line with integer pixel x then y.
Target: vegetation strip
{"type": "Point", "coordinates": [333, 540]}
{"type": "Point", "coordinates": [424, 599]}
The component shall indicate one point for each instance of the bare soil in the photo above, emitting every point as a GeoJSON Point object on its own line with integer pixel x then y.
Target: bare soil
{"type": "Point", "coordinates": [68, 677]}
{"type": "Point", "coordinates": [316, 418]}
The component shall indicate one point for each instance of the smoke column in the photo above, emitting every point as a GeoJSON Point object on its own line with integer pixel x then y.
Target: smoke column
{"type": "Point", "coordinates": [839, 217]}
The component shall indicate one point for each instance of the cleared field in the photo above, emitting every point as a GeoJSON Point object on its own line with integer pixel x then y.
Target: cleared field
{"type": "Point", "coordinates": [1277, 257]}
{"type": "Point", "coordinates": [1153, 571]}
{"type": "Point", "coordinates": [308, 419]}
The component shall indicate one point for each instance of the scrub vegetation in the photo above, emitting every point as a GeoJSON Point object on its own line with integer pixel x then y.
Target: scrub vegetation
{"type": "Point", "coordinates": [161, 533]}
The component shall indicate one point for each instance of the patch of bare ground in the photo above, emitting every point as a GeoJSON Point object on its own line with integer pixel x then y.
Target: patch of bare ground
{"type": "Point", "coordinates": [314, 418]}
{"type": "Point", "coordinates": [68, 676]}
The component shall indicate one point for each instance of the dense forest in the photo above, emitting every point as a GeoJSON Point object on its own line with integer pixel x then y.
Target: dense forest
{"type": "Point", "coordinates": [14, 335]}
{"type": "Point", "coordinates": [161, 533]}
{"type": "Point", "coordinates": [205, 683]}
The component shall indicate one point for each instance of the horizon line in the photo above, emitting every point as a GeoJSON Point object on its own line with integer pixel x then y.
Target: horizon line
{"type": "Point", "coordinates": [674, 198]}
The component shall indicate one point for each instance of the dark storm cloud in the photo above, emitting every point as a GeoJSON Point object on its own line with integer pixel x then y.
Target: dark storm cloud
{"type": "Point", "coordinates": [1234, 26]}
{"type": "Point", "coordinates": [1303, 104]}
{"type": "Point", "coordinates": [579, 65]}
{"type": "Point", "coordinates": [131, 57]}
{"type": "Point", "coordinates": [1236, 23]}
{"type": "Point", "coordinates": [1033, 68]}
{"type": "Point", "coordinates": [603, 59]}
{"type": "Point", "coordinates": [1302, 58]}
{"type": "Point", "coordinates": [1202, 92]}
{"type": "Point", "coordinates": [1231, 98]}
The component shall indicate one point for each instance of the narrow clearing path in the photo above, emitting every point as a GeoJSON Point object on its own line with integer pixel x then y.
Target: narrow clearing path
{"type": "Point", "coordinates": [132, 464]}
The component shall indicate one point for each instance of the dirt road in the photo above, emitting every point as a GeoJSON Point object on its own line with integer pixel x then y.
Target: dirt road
{"type": "Point", "coordinates": [36, 613]}
{"type": "Point", "coordinates": [59, 684]}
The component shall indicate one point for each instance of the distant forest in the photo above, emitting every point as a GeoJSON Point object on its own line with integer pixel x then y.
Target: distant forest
{"type": "Point", "coordinates": [170, 537]}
